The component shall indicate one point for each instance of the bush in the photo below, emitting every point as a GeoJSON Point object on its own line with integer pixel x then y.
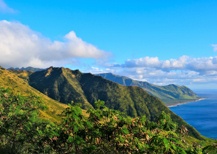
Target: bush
{"type": "Point", "coordinates": [103, 131]}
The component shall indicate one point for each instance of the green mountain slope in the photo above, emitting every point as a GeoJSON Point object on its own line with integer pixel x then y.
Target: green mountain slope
{"type": "Point", "coordinates": [11, 81]}
{"type": "Point", "coordinates": [59, 84]}
{"type": "Point", "coordinates": [170, 94]}
{"type": "Point", "coordinates": [69, 86]}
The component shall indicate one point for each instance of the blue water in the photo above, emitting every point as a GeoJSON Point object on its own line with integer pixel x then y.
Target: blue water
{"type": "Point", "coordinates": [202, 114]}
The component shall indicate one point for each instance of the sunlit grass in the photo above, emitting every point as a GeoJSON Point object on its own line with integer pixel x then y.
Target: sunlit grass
{"type": "Point", "coordinates": [19, 86]}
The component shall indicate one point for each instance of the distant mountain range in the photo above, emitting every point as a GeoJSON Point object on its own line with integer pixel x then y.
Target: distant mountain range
{"type": "Point", "coordinates": [30, 69]}
{"type": "Point", "coordinates": [68, 86]}
{"type": "Point", "coordinates": [170, 94]}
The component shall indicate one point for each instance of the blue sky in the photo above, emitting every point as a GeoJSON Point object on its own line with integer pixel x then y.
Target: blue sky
{"type": "Point", "coordinates": [158, 41]}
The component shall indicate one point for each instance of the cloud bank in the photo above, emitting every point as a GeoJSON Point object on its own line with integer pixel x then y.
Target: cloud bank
{"type": "Point", "coordinates": [184, 70]}
{"type": "Point", "coordinates": [5, 8]}
{"type": "Point", "coordinates": [204, 65]}
{"type": "Point", "coordinates": [20, 47]}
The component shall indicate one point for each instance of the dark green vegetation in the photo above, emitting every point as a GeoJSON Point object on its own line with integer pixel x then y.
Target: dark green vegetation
{"type": "Point", "coordinates": [69, 86]}
{"type": "Point", "coordinates": [103, 131]}
{"type": "Point", "coordinates": [31, 122]}
{"type": "Point", "coordinates": [170, 94]}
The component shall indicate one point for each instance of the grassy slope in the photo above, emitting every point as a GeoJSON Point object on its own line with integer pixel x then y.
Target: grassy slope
{"type": "Point", "coordinates": [12, 81]}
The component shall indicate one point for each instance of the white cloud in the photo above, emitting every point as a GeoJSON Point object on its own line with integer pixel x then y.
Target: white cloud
{"type": "Point", "coordinates": [20, 46]}
{"type": "Point", "coordinates": [5, 8]}
{"type": "Point", "coordinates": [78, 48]}
{"type": "Point", "coordinates": [142, 62]}
{"type": "Point", "coordinates": [201, 65]}
{"type": "Point", "coordinates": [182, 71]}
{"type": "Point", "coordinates": [175, 63]}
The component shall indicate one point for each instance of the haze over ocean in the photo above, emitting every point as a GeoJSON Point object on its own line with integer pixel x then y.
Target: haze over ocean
{"type": "Point", "coordinates": [201, 114]}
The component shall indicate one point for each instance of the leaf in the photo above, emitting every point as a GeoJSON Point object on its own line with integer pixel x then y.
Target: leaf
{"type": "Point", "coordinates": [70, 139]}
{"type": "Point", "coordinates": [121, 139]}
{"type": "Point", "coordinates": [166, 144]}
{"type": "Point", "coordinates": [75, 128]}
{"type": "Point", "coordinates": [124, 130]}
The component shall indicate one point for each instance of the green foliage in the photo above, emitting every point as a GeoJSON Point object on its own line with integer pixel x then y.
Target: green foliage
{"type": "Point", "coordinates": [211, 149]}
{"type": "Point", "coordinates": [165, 122]}
{"type": "Point", "coordinates": [103, 131]}
{"type": "Point", "coordinates": [19, 118]}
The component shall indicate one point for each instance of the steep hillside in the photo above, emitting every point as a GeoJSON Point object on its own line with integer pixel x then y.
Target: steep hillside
{"type": "Point", "coordinates": [59, 84]}
{"type": "Point", "coordinates": [170, 94]}
{"type": "Point", "coordinates": [19, 86]}
{"type": "Point", "coordinates": [68, 86]}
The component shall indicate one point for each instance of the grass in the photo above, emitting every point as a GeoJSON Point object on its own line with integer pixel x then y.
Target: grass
{"type": "Point", "coordinates": [20, 86]}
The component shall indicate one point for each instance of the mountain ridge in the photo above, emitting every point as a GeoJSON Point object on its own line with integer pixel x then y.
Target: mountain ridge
{"type": "Point", "coordinates": [170, 94]}
{"type": "Point", "coordinates": [86, 88]}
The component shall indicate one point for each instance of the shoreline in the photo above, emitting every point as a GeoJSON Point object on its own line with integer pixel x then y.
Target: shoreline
{"type": "Point", "coordinates": [178, 104]}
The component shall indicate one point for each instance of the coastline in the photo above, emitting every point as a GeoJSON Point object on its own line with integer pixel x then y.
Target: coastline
{"type": "Point", "coordinates": [186, 102]}
{"type": "Point", "coordinates": [201, 115]}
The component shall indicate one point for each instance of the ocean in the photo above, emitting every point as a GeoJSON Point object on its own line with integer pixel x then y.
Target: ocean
{"type": "Point", "coordinates": [201, 114]}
